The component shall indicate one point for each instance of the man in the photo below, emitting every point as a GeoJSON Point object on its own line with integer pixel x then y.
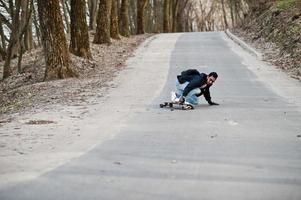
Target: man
{"type": "Point", "coordinates": [191, 84]}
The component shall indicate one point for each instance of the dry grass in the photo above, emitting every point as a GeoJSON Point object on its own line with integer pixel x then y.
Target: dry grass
{"type": "Point", "coordinates": [277, 33]}
{"type": "Point", "coordinates": [27, 91]}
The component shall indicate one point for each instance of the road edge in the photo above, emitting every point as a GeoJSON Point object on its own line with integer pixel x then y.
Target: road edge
{"type": "Point", "coordinates": [268, 74]}
{"type": "Point", "coordinates": [244, 45]}
{"type": "Point", "coordinates": [100, 122]}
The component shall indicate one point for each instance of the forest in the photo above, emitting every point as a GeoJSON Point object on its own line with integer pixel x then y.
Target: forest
{"type": "Point", "coordinates": [41, 41]}
{"type": "Point", "coordinates": [62, 27]}
{"type": "Point", "coordinates": [109, 99]}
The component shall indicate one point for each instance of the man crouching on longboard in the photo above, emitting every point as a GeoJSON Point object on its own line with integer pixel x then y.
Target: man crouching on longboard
{"type": "Point", "coordinates": [190, 85]}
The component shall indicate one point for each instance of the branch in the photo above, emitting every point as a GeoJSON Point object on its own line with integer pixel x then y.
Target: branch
{"type": "Point", "coordinates": [5, 21]}
{"type": "Point", "coordinates": [3, 4]}
{"type": "Point", "coordinates": [27, 21]}
{"type": "Point", "coordinates": [2, 52]}
{"type": "Point", "coordinates": [11, 9]}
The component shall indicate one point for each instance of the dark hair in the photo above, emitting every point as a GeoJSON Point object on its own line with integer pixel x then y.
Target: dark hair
{"type": "Point", "coordinates": [214, 74]}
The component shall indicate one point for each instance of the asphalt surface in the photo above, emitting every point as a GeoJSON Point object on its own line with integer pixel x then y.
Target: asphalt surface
{"type": "Point", "coordinates": [249, 147]}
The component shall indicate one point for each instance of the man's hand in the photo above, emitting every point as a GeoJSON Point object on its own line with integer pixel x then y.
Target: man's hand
{"type": "Point", "coordinates": [181, 100]}
{"type": "Point", "coordinates": [213, 104]}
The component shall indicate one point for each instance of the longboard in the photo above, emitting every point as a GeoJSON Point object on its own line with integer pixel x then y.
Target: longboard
{"type": "Point", "coordinates": [169, 104]}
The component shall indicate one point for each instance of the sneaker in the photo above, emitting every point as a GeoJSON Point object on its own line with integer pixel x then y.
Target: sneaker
{"type": "Point", "coordinates": [188, 106]}
{"type": "Point", "coordinates": [173, 96]}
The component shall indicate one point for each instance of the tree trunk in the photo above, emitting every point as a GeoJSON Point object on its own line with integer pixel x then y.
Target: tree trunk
{"type": "Point", "coordinates": [155, 17]}
{"type": "Point", "coordinates": [119, 14]}
{"type": "Point", "coordinates": [174, 15]}
{"type": "Point", "coordinates": [187, 19]}
{"type": "Point", "coordinates": [118, 7]}
{"type": "Point", "coordinates": [24, 10]}
{"type": "Point", "coordinates": [141, 4]}
{"type": "Point", "coordinates": [149, 17]}
{"type": "Point", "coordinates": [171, 6]}
{"type": "Point", "coordinates": [28, 38]}
{"type": "Point", "coordinates": [92, 13]}
{"type": "Point", "coordinates": [79, 44]}
{"type": "Point", "coordinates": [236, 12]}
{"type": "Point", "coordinates": [24, 29]}
{"type": "Point", "coordinates": [21, 51]}
{"type": "Point", "coordinates": [66, 14]}
{"type": "Point", "coordinates": [37, 28]}
{"type": "Point", "coordinates": [102, 34]}
{"type": "Point", "coordinates": [232, 12]}
{"type": "Point", "coordinates": [26, 21]}
{"type": "Point", "coordinates": [54, 41]}
{"type": "Point", "coordinates": [3, 45]}
{"type": "Point", "coordinates": [179, 16]}
{"type": "Point", "coordinates": [224, 14]}
{"type": "Point", "coordinates": [125, 31]}
{"type": "Point", "coordinates": [114, 21]}
{"type": "Point", "coordinates": [13, 39]}
{"type": "Point", "coordinates": [166, 26]}
{"type": "Point", "coordinates": [133, 16]}
{"type": "Point", "coordinates": [158, 4]}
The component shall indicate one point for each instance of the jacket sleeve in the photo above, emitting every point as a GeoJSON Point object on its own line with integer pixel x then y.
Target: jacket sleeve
{"type": "Point", "coordinates": [194, 83]}
{"type": "Point", "coordinates": [190, 72]}
{"type": "Point", "coordinates": [200, 94]}
{"type": "Point", "coordinates": [207, 95]}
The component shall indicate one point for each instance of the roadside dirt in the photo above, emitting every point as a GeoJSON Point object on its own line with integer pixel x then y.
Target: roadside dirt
{"type": "Point", "coordinates": [27, 92]}
{"type": "Point", "coordinates": [43, 124]}
{"type": "Point", "coordinates": [276, 33]}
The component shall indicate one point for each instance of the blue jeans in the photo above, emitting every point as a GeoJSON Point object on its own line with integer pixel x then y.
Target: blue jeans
{"type": "Point", "coordinates": [191, 96]}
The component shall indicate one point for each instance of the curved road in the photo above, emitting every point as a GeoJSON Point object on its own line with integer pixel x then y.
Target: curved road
{"type": "Point", "coordinates": [249, 147]}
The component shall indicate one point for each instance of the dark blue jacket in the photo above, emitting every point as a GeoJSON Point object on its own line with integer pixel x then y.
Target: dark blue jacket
{"type": "Point", "coordinates": [196, 80]}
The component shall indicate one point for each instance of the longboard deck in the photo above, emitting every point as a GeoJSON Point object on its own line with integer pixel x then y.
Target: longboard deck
{"type": "Point", "coordinates": [168, 104]}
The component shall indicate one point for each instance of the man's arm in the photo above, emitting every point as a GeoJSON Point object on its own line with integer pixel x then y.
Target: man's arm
{"type": "Point", "coordinates": [208, 97]}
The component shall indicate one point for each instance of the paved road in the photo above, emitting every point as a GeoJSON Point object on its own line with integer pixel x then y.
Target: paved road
{"type": "Point", "coordinates": [246, 148]}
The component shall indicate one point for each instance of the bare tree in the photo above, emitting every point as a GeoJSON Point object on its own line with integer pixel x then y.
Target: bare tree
{"type": "Point", "coordinates": [166, 20]}
{"type": "Point", "coordinates": [175, 11]}
{"type": "Point", "coordinates": [125, 31]}
{"type": "Point", "coordinates": [158, 15]}
{"type": "Point", "coordinates": [92, 4]}
{"type": "Point", "coordinates": [206, 16]}
{"type": "Point", "coordinates": [2, 44]}
{"type": "Point", "coordinates": [102, 34]}
{"type": "Point", "coordinates": [54, 41]}
{"type": "Point", "coordinates": [66, 15]}
{"type": "Point", "coordinates": [26, 21]}
{"type": "Point", "coordinates": [14, 36]}
{"type": "Point", "coordinates": [79, 44]}
{"type": "Point", "coordinates": [224, 14]}
{"type": "Point", "coordinates": [114, 21]}
{"type": "Point", "coordinates": [36, 25]}
{"type": "Point", "coordinates": [133, 16]}
{"type": "Point", "coordinates": [23, 36]}
{"type": "Point", "coordinates": [179, 15]}
{"type": "Point", "coordinates": [232, 2]}
{"type": "Point", "coordinates": [141, 4]}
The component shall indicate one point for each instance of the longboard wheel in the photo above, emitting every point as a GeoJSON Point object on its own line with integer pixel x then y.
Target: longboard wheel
{"type": "Point", "coordinates": [187, 107]}
{"type": "Point", "coordinates": [161, 105]}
